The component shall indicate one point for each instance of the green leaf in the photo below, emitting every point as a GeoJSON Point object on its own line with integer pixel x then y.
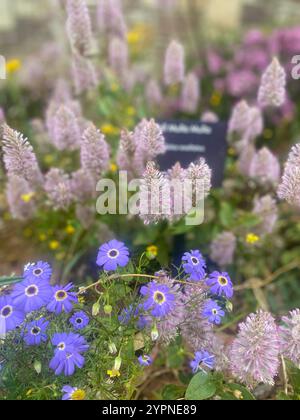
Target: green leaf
{"type": "Point", "coordinates": [201, 387]}
{"type": "Point", "coordinates": [6, 281]}
{"type": "Point", "coordinates": [226, 214]}
{"type": "Point", "coordinates": [172, 392]}
{"type": "Point", "coordinates": [175, 357]}
{"type": "Point", "coordinates": [294, 376]}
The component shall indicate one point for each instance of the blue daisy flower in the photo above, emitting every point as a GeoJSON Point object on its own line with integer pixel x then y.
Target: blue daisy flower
{"type": "Point", "coordinates": [38, 271]}
{"type": "Point", "coordinates": [31, 294]}
{"type": "Point", "coordinates": [113, 254]}
{"type": "Point", "coordinates": [67, 354]}
{"type": "Point", "coordinates": [71, 393]}
{"type": "Point", "coordinates": [62, 299]}
{"type": "Point", "coordinates": [220, 284]}
{"type": "Point", "coordinates": [159, 299]}
{"type": "Point", "coordinates": [194, 265]}
{"type": "Point", "coordinates": [79, 320]}
{"type": "Point", "coordinates": [145, 360]}
{"type": "Point", "coordinates": [10, 316]}
{"type": "Point", "coordinates": [35, 332]}
{"type": "Point", "coordinates": [213, 312]}
{"type": "Point", "coordinates": [202, 359]}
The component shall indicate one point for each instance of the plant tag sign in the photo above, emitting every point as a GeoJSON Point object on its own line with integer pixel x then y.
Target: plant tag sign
{"type": "Point", "coordinates": [187, 141]}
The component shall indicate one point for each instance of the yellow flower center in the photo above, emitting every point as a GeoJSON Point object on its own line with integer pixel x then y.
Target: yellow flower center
{"type": "Point", "coordinates": [222, 281]}
{"type": "Point", "coordinates": [60, 295]}
{"type": "Point", "coordinates": [78, 395]}
{"type": "Point", "coordinates": [159, 298]}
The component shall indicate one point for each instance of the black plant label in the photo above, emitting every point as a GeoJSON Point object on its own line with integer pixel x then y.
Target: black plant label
{"type": "Point", "coordinates": [187, 141]}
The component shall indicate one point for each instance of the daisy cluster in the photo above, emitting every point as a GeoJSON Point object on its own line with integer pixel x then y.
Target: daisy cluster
{"type": "Point", "coordinates": [190, 305]}
{"type": "Point", "coordinates": [31, 306]}
{"type": "Point", "coordinates": [168, 307]}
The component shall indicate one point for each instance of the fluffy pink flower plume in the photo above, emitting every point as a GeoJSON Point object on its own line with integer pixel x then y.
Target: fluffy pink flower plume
{"type": "Point", "coordinates": [65, 130]}
{"type": "Point", "coordinates": [199, 171]}
{"type": "Point", "coordinates": [19, 157]}
{"type": "Point", "coordinates": [239, 120]}
{"type": "Point", "coordinates": [111, 17]}
{"type": "Point", "coordinates": [118, 56]}
{"type": "Point", "coordinates": [289, 188]}
{"type": "Point", "coordinates": [289, 334]}
{"type": "Point", "coordinates": [59, 189]}
{"type": "Point", "coordinates": [151, 140]}
{"type": "Point", "coordinates": [154, 95]}
{"type": "Point", "coordinates": [174, 67]}
{"type": "Point", "coordinates": [222, 249]}
{"type": "Point", "coordinates": [246, 123]}
{"type": "Point", "coordinates": [254, 354]}
{"type": "Point", "coordinates": [84, 74]}
{"type": "Point", "coordinates": [196, 331]}
{"type": "Point", "coordinates": [272, 88]}
{"type": "Point", "coordinates": [79, 28]}
{"type": "Point", "coordinates": [126, 153]}
{"type": "Point", "coordinates": [94, 152]}
{"type": "Point", "coordinates": [150, 143]}
{"type": "Point", "coordinates": [190, 95]}
{"type": "Point", "coordinates": [266, 209]}
{"type": "Point", "coordinates": [83, 186]}
{"type": "Point", "coordinates": [154, 195]}
{"type": "Point", "coordinates": [209, 117]}
{"type": "Point", "coordinates": [245, 159]}
{"type": "Point", "coordinates": [265, 167]}
{"type": "Point", "coordinates": [17, 192]}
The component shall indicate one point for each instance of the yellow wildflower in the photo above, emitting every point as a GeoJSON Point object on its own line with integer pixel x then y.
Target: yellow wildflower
{"type": "Point", "coordinates": [29, 392]}
{"type": "Point", "coordinates": [54, 245]}
{"type": "Point", "coordinates": [42, 237]}
{"type": "Point", "coordinates": [78, 395]}
{"type": "Point", "coordinates": [113, 167]}
{"type": "Point", "coordinates": [251, 238]}
{"type": "Point", "coordinates": [152, 251]}
{"type": "Point", "coordinates": [27, 197]}
{"type": "Point", "coordinates": [70, 230]}
{"type": "Point", "coordinates": [133, 37]}
{"type": "Point", "coordinates": [113, 373]}
{"type": "Point", "coordinates": [13, 65]}
{"type": "Point", "coordinates": [110, 129]}
{"type": "Point", "coordinates": [216, 98]}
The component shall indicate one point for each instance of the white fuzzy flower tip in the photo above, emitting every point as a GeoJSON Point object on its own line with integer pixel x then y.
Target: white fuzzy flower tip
{"type": "Point", "coordinates": [272, 88]}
